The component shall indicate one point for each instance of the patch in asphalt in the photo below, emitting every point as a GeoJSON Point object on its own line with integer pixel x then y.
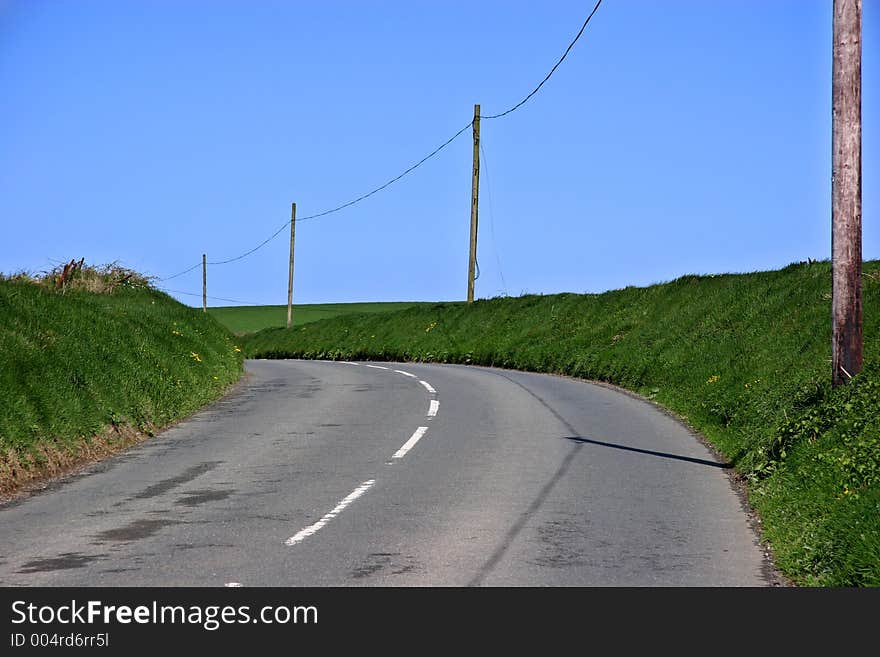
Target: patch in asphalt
{"type": "Point", "coordinates": [197, 497]}
{"type": "Point", "coordinates": [169, 484]}
{"type": "Point", "coordinates": [65, 561]}
{"type": "Point", "coordinates": [134, 531]}
{"type": "Point", "coordinates": [560, 544]}
{"type": "Point", "coordinates": [378, 561]}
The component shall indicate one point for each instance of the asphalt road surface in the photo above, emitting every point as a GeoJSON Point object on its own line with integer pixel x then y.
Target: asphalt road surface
{"type": "Point", "coordinates": [362, 474]}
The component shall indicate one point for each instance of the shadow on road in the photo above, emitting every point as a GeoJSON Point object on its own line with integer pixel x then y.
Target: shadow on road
{"type": "Point", "coordinates": [714, 464]}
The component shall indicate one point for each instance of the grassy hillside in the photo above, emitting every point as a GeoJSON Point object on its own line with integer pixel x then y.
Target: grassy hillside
{"type": "Point", "coordinates": [247, 319]}
{"type": "Point", "coordinates": [84, 372]}
{"type": "Point", "coordinates": [745, 359]}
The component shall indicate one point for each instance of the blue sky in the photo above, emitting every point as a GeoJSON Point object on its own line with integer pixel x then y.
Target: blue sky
{"type": "Point", "coordinates": [677, 137]}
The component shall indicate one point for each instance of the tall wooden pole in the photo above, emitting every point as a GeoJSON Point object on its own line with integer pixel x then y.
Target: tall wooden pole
{"type": "Point", "coordinates": [290, 269]}
{"type": "Point", "coordinates": [204, 283]}
{"type": "Point", "coordinates": [475, 206]}
{"type": "Point", "coordinates": [846, 192]}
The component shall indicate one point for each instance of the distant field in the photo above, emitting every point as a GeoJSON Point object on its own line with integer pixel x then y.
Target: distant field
{"type": "Point", "coordinates": [248, 319]}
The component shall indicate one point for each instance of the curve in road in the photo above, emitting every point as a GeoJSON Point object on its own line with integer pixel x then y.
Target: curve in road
{"type": "Point", "coordinates": [315, 473]}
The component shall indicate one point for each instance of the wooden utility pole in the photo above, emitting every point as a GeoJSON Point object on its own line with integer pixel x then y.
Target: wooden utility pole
{"type": "Point", "coordinates": [846, 192]}
{"type": "Point", "coordinates": [290, 269]}
{"type": "Point", "coordinates": [204, 283]}
{"type": "Point", "coordinates": [475, 206]}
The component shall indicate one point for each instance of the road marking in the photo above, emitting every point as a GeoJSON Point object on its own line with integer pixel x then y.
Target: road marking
{"type": "Point", "coordinates": [232, 585]}
{"type": "Point", "coordinates": [409, 444]}
{"type": "Point", "coordinates": [347, 362]}
{"type": "Point", "coordinates": [311, 529]}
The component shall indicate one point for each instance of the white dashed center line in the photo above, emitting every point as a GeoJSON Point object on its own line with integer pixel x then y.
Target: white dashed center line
{"type": "Point", "coordinates": [409, 444]}
{"type": "Point", "coordinates": [433, 407]}
{"type": "Point", "coordinates": [311, 529]}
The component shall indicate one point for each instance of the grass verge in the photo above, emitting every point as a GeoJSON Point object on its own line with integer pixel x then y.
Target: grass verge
{"type": "Point", "coordinates": [94, 363]}
{"type": "Point", "coordinates": [743, 358]}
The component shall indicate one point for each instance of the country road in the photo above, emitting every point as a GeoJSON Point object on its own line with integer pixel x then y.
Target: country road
{"type": "Point", "coordinates": [316, 473]}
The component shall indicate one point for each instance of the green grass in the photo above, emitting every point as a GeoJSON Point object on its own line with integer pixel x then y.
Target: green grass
{"type": "Point", "coordinates": [248, 319]}
{"type": "Point", "coordinates": [745, 359]}
{"type": "Point", "coordinates": [73, 365]}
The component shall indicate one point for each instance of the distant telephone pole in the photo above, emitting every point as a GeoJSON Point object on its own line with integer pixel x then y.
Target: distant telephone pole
{"type": "Point", "coordinates": [290, 269]}
{"type": "Point", "coordinates": [204, 283]}
{"type": "Point", "coordinates": [475, 206]}
{"type": "Point", "coordinates": [846, 192]}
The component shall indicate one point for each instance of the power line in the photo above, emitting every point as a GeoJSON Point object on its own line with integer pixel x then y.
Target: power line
{"type": "Point", "coordinates": [552, 70]}
{"type": "Point", "coordinates": [492, 219]}
{"type": "Point", "coordinates": [256, 248]}
{"type": "Point", "coordinates": [393, 180]}
{"type": "Point", "coordinates": [193, 294]}
{"type": "Point", "coordinates": [352, 202]}
{"type": "Point", "coordinates": [409, 170]}
{"type": "Point", "coordinates": [331, 211]}
{"type": "Point", "coordinates": [185, 271]}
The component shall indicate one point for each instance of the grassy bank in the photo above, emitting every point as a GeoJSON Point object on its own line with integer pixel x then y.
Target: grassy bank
{"type": "Point", "coordinates": [94, 364]}
{"type": "Point", "coordinates": [248, 319]}
{"type": "Point", "coordinates": [745, 359]}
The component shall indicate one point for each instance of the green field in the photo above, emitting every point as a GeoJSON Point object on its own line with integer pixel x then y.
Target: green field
{"type": "Point", "coordinates": [248, 319]}
{"type": "Point", "coordinates": [745, 359]}
{"type": "Point", "coordinates": [83, 373]}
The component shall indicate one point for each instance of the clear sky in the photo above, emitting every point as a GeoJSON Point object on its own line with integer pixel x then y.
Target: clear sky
{"type": "Point", "coordinates": [679, 136]}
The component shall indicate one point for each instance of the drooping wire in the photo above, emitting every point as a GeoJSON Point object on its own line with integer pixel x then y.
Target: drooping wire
{"type": "Point", "coordinates": [407, 171]}
{"type": "Point", "coordinates": [393, 180]}
{"type": "Point", "coordinates": [552, 70]}
{"type": "Point", "coordinates": [194, 294]}
{"type": "Point", "coordinates": [349, 203]}
{"type": "Point", "coordinates": [492, 218]}
{"type": "Point", "coordinates": [185, 271]}
{"type": "Point", "coordinates": [256, 248]}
